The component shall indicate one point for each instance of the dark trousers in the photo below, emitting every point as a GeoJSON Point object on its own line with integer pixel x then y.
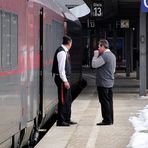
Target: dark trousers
{"type": "Point", "coordinates": [64, 103]}
{"type": "Point", "coordinates": [106, 100]}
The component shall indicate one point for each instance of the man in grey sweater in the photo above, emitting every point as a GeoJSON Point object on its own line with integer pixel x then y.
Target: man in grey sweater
{"type": "Point", "coordinates": [105, 63]}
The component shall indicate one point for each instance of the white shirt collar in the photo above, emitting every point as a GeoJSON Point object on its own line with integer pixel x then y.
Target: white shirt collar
{"type": "Point", "coordinates": [64, 48]}
{"type": "Point", "coordinates": [107, 50]}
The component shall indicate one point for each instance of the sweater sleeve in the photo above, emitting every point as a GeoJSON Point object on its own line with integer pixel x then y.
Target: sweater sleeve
{"type": "Point", "coordinates": [97, 62]}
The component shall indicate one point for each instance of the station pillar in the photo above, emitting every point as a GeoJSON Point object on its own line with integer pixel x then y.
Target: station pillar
{"type": "Point", "coordinates": [129, 51]}
{"type": "Point", "coordinates": [147, 49]}
{"type": "Point", "coordinates": [143, 66]}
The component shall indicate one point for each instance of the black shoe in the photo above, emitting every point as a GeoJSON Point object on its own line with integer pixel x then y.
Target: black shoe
{"type": "Point", "coordinates": [62, 124]}
{"type": "Point", "coordinates": [104, 123]}
{"type": "Point", "coordinates": [72, 122]}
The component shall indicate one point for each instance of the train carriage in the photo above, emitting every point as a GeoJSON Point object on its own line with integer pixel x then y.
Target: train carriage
{"type": "Point", "coordinates": [30, 32]}
{"type": "Point", "coordinates": [13, 61]}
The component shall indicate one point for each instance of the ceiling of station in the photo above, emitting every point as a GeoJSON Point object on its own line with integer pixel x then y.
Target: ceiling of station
{"type": "Point", "coordinates": [128, 0]}
{"type": "Point", "coordinates": [90, 1]}
{"type": "Point", "coordinates": [119, 8]}
{"type": "Point", "coordinates": [129, 8]}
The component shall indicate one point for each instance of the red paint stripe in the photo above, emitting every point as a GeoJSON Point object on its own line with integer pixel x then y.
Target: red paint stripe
{"type": "Point", "coordinates": [62, 96]}
{"type": "Point", "coordinates": [32, 64]}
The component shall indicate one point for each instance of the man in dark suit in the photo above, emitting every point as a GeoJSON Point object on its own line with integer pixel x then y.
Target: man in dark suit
{"type": "Point", "coordinates": [62, 71]}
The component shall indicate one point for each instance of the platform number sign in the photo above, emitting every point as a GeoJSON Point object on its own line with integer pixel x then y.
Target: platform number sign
{"type": "Point", "coordinates": [97, 8]}
{"type": "Point", "coordinates": [91, 23]}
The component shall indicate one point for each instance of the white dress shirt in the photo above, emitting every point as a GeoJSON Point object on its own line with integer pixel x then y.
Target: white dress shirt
{"type": "Point", "coordinates": [61, 57]}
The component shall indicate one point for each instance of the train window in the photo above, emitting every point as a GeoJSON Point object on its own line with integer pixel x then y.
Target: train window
{"type": "Point", "coordinates": [5, 40]}
{"type": "Point", "coordinates": [0, 40]}
{"type": "Point", "coordinates": [14, 41]}
{"type": "Point", "coordinates": [8, 40]}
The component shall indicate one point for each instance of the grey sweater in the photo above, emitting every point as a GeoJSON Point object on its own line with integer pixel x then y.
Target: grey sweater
{"type": "Point", "coordinates": [105, 66]}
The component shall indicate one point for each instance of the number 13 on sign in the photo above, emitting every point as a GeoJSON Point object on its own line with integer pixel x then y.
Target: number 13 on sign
{"type": "Point", "coordinates": [97, 11]}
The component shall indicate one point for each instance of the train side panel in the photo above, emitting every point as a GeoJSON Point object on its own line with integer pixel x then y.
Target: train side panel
{"type": "Point", "coordinates": [41, 90]}
{"type": "Point", "coordinates": [33, 38]}
{"type": "Point", "coordinates": [13, 76]}
{"type": "Point", "coordinates": [52, 36]}
{"type": "Point", "coordinates": [30, 32]}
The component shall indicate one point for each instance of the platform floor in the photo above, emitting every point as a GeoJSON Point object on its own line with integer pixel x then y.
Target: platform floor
{"type": "Point", "coordinates": [86, 111]}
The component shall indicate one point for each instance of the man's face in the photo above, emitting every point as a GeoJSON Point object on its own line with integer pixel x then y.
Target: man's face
{"type": "Point", "coordinates": [69, 45]}
{"type": "Point", "coordinates": [101, 49]}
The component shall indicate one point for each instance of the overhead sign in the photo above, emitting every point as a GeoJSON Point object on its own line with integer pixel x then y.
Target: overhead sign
{"type": "Point", "coordinates": [124, 24]}
{"type": "Point", "coordinates": [91, 23]}
{"type": "Point", "coordinates": [144, 5]}
{"type": "Point", "coordinates": [97, 8]}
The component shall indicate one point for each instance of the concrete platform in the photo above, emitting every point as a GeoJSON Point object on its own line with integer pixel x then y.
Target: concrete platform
{"type": "Point", "coordinates": [86, 111]}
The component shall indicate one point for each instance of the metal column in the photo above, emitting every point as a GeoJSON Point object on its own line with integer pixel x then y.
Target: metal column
{"type": "Point", "coordinates": [131, 55]}
{"type": "Point", "coordinates": [128, 51]}
{"type": "Point", "coordinates": [114, 41]}
{"type": "Point", "coordinates": [147, 49]}
{"type": "Point", "coordinates": [143, 66]}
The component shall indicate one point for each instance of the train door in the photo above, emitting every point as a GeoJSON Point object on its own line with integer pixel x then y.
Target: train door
{"type": "Point", "coordinates": [41, 66]}
{"type": "Point", "coordinates": [35, 62]}
{"type": "Point", "coordinates": [48, 33]}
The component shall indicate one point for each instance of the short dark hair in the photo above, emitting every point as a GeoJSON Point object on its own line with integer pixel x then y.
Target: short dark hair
{"type": "Point", "coordinates": [104, 42]}
{"type": "Point", "coordinates": [66, 40]}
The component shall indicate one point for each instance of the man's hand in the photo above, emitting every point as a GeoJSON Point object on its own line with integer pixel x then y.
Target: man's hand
{"type": "Point", "coordinates": [96, 53]}
{"type": "Point", "coordinates": [67, 85]}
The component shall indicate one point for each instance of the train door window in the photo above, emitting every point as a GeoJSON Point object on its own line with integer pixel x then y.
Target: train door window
{"type": "Point", "coordinates": [52, 38]}
{"type": "Point", "coordinates": [36, 33]}
{"type": "Point", "coordinates": [57, 36]}
{"type": "Point", "coordinates": [8, 40]}
{"type": "Point", "coordinates": [47, 41]}
{"type": "Point", "coordinates": [54, 35]}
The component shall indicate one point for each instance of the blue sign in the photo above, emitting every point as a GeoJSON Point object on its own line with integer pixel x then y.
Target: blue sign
{"type": "Point", "coordinates": [144, 5]}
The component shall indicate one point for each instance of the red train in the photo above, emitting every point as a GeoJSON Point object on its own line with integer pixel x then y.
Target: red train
{"type": "Point", "coordinates": [30, 32]}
